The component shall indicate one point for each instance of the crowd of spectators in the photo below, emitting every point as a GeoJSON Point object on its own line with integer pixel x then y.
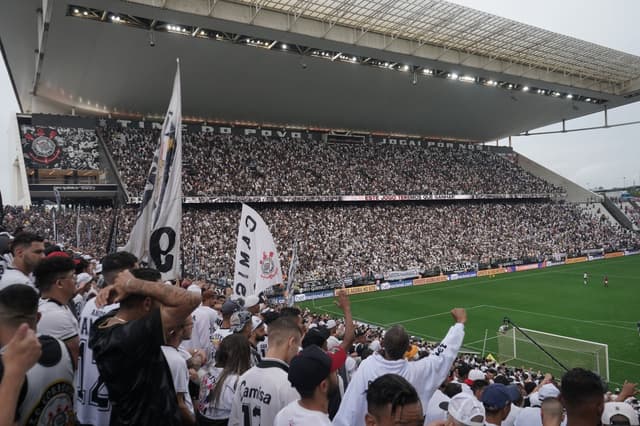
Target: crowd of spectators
{"type": "Point", "coordinates": [256, 166]}
{"type": "Point", "coordinates": [336, 241]}
{"type": "Point", "coordinates": [79, 148]}
{"type": "Point", "coordinates": [139, 351]}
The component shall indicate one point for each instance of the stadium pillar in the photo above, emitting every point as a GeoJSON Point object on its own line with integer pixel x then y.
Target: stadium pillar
{"type": "Point", "coordinates": [509, 141]}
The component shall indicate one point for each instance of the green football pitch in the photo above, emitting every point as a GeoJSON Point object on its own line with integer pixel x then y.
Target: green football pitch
{"type": "Point", "coordinates": [551, 300]}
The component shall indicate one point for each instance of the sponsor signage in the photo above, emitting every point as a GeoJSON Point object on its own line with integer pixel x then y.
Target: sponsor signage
{"type": "Point", "coordinates": [528, 267]}
{"type": "Point", "coordinates": [462, 275]}
{"type": "Point", "coordinates": [595, 257]}
{"type": "Point", "coordinates": [403, 283]}
{"type": "Point", "coordinates": [358, 290]}
{"type": "Point", "coordinates": [575, 260]}
{"type": "Point", "coordinates": [430, 280]}
{"type": "Point", "coordinates": [550, 263]}
{"type": "Point", "coordinates": [631, 252]}
{"type": "Point", "coordinates": [494, 271]}
{"type": "Point", "coordinates": [614, 254]}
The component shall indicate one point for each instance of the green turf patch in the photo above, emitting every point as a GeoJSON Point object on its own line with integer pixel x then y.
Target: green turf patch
{"type": "Point", "coordinates": [552, 300]}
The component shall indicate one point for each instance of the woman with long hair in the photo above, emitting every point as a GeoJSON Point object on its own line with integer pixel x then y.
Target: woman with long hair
{"type": "Point", "coordinates": [219, 382]}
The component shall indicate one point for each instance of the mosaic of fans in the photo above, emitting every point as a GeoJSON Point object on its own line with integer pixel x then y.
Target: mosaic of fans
{"type": "Point", "coordinates": [234, 165]}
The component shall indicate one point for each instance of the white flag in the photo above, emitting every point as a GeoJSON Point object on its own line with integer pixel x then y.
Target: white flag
{"type": "Point", "coordinates": [155, 237]}
{"type": "Point", "coordinates": [257, 265]}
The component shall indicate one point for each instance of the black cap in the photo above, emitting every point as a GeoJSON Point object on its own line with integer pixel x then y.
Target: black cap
{"type": "Point", "coordinates": [309, 368]}
{"type": "Point", "coordinates": [315, 336]}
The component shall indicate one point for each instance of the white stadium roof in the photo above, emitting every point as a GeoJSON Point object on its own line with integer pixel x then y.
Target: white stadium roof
{"type": "Point", "coordinates": [452, 27]}
{"type": "Point", "coordinates": [422, 68]}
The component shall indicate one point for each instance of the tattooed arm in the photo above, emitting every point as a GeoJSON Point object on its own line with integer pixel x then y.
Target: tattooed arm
{"type": "Point", "coordinates": [176, 303]}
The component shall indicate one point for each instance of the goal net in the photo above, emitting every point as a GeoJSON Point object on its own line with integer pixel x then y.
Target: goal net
{"type": "Point", "coordinates": [514, 348]}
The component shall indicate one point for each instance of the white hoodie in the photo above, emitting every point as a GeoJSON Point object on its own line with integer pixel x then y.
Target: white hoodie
{"type": "Point", "coordinates": [426, 375]}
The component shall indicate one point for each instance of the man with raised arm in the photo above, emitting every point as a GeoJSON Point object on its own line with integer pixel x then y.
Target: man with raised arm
{"type": "Point", "coordinates": [425, 375]}
{"type": "Point", "coordinates": [126, 345]}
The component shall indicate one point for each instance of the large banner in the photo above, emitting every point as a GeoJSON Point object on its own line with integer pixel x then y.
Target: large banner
{"type": "Point", "coordinates": [60, 148]}
{"type": "Point", "coordinates": [257, 265]}
{"type": "Point", "coordinates": [155, 237]}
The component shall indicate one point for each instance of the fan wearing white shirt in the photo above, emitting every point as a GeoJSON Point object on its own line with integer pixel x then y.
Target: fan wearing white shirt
{"type": "Point", "coordinates": [28, 251]}
{"type": "Point", "coordinates": [177, 362]}
{"type": "Point", "coordinates": [313, 373]}
{"type": "Point", "coordinates": [264, 390]}
{"type": "Point", "coordinates": [56, 280]}
{"type": "Point", "coordinates": [425, 375]}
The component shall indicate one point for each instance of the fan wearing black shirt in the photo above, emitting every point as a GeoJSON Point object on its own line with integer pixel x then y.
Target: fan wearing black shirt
{"type": "Point", "coordinates": [126, 345]}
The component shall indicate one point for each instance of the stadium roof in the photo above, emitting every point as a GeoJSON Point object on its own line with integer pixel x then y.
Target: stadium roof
{"type": "Point", "coordinates": [459, 28]}
{"type": "Point", "coordinates": [428, 68]}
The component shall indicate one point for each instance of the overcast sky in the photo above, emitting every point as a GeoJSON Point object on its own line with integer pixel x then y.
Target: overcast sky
{"type": "Point", "coordinates": [607, 158]}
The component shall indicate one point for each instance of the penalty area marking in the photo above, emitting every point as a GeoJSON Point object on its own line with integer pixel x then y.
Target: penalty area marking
{"type": "Point", "coordinates": [559, 317]}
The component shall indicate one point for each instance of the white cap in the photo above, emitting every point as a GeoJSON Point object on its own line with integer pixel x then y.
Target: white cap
{"type": "Point", "coordinates": [98, 268]}
{"type": "Point", "coordinates": [534, 399]}
{"type": "Point", "coordinates": [312, 325]}
{"type": "Point", "coordinates": [331, 324]}
{"type": "Point", "coordinates": [476, 374]}
{"type": "Point", "coordinates": [251, 300]}
{"type": "Point", "coordinates": [255, 322]}
{"type": "Point", "coordinates": [548, 391]}
{"type": "Point", "coordinates": [194, 288]}
{"type": "Point", "coordinates": [466, 409]}
{"type": "Point", "coordinates": [619, 409]}
{"type": "Point", "coordinates": [82, 279]}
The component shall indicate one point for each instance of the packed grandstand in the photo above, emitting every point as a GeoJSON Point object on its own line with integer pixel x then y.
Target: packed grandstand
{"type": "Point", "coordinates": [530, 220]}
{"type": "Point", "coordinates": [351, 212]}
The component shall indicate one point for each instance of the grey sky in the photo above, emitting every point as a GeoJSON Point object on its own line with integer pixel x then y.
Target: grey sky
{"type": "Point", "coordinates": [605, 158]}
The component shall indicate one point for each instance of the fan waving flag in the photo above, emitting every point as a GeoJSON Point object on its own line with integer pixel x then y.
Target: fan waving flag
{"type": "Point", "coordinates": [257, 265]}
{"type": "Point", "coordinates": [155, 237]}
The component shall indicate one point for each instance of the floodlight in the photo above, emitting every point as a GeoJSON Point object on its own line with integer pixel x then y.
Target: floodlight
{"type": "Point", "coordinates": [284, 46]}
{"type": "Point", "coordinates": [588, 100]}
{"type": "Point", "coordinates": [76, 11]}
{"type": "Point", "coordinates": [405, 68]}
{"type": "Point", "coordinates": [468, 79]}
{"type": "Point", "coordinates": [85, 13]}
{"type": "Point", "coordinates": [525, 89]}
{"type": "Point", "coordinates": [569, 96]}
{"type": "Point", "coordinates": [453, 76]}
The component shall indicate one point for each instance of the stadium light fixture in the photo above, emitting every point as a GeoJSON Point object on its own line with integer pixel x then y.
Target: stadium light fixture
{"type": "Point", "coordinates": [588, 100]}
{"type": "Point", "coordinates": [452, 76]}
{"type": "Point", "coordinates": [467, 79]}
{"type": "Point", "coordinates": [284, 46]}
{"type": "Point", "coordinates": [525, 89]}
{"type": "Point", "coordinates": [405, 68]}
{"type": "Point", "coordinates": [76, 11]}
{"type": "Point", "coordinates": [85, 13]}
{"type": "Point", "coordinates": [569, 96]}
{"type": "Point", "coordinates": [510, 86]}
{"type": "Point", "coordinates": [427, 71]}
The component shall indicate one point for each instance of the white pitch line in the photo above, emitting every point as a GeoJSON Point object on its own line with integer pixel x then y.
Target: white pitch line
{"type": "Point", "coordinates": [560, 317]}
{"type": "Point", "coordinates": [430, 316]}
{"type": "Point", "coordinates": [625, 362]}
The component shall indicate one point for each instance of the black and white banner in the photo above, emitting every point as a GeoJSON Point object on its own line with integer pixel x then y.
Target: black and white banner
{"type": "Point", "coordinates": [155, 237]}
{"type": "Point", "coordinates": [257, 265]}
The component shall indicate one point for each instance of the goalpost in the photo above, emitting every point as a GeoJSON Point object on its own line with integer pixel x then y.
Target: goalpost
{"type": "Point", "coordinates": [514, 348]}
